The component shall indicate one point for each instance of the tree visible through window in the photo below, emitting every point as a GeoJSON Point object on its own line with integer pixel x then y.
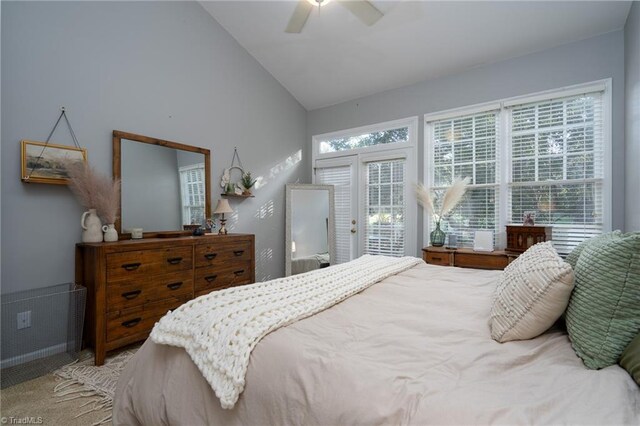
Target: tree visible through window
{"type": "Point", "coordinates": [368, 139]}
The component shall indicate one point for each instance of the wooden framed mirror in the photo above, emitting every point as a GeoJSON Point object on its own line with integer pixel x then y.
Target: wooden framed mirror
{"type": "Point", "coordinates": [164, 185]}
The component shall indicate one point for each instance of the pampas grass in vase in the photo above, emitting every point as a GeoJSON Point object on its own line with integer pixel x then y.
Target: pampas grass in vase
{"type": "Point", "coordinates": [451, 199]}
{"type": "Point", "coordinates": [100, 195]}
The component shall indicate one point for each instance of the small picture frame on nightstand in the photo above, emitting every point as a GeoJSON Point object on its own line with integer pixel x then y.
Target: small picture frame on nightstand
{"type": "Point", "coordinates": [483, 241]}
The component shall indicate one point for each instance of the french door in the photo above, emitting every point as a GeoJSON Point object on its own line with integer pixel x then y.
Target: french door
{"type": "Point", "coordinates": [374, 202]}
{"type": "Point", "coordinates": [341, 173]}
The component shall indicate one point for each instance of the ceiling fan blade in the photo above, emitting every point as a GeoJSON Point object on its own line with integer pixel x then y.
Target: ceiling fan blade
{"type": "Point", "coordinates": [299, 17]}
{"type": "Point", "coordinates": [363, 10]}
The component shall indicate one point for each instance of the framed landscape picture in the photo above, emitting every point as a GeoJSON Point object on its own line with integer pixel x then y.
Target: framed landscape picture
{"type": "Point", "coordinates": [48, 163]}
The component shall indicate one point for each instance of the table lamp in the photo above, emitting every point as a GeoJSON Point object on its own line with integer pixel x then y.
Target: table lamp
{"type": "Point", "coordinates": [222, 208]}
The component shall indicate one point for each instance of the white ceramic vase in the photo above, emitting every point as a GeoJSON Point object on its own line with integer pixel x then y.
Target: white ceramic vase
{"type": "Point", "coordinates": [110, 233]}
{"type": "Point", "coordinates": [91, 227]}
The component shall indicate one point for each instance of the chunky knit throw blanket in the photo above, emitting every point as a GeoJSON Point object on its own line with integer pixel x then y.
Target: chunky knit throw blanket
{"type": "Point", "coordinates": [220, 330]}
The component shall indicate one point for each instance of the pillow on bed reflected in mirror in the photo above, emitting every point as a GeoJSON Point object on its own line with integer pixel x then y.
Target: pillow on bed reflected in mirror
{"type": "Point", "coordinates": [531, 295]}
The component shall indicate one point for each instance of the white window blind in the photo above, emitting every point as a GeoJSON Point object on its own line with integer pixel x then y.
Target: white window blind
{"type": "Point", "coordinates": [466, 146]}
{"type": "Point", "coordinates": [340, 178]}
{"type": "Point", "coordinates": [193, 195]}
{"type": "Point", "coordinates": [385, 208]}
{"type": "Point", "coordinates": [556, 170]}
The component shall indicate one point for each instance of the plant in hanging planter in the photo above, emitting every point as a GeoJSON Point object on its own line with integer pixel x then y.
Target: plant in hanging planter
{"type": "Point", "coordinates": [100, 195]}
{"type": "Point", "coordinates": [452, 197]}
{"type": "Point", "coordinates": [247, 183]}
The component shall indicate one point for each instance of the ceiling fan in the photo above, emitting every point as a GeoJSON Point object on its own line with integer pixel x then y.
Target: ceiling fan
{"type": "Point", "coordinates": [362, 9]}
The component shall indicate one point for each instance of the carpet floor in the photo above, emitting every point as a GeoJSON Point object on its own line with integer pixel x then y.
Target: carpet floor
{"type": "Point", "coordinates": [35, 399]}
{"type": "Point", "coordinates": [33, 402]}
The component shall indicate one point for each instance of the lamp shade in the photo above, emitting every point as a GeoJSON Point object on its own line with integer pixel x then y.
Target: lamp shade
{"type": "Point", "coordinates": [223, 207]}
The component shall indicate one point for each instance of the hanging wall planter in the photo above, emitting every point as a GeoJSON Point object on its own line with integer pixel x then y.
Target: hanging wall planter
{"type": "Point", "coordinates": [235, 182]}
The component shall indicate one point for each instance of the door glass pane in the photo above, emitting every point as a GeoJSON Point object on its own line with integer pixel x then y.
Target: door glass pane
{"type": "Point", "coordinates": [340, 178]}
{"type": "Point", "coordinates": [386, 210]}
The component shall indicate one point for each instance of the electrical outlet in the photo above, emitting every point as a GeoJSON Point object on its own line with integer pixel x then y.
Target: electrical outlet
{"type": "Point", "coordinates": [24, 320]}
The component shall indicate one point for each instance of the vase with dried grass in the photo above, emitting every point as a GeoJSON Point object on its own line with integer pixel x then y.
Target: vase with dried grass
{"type": "Point", "coordinates": [100, 195]}
{"type": "Point", "coordinates": [450, 200]}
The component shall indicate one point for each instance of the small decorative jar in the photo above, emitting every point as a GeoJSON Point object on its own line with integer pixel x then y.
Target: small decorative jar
{"type": "Point", "coordinates": [110, 233]}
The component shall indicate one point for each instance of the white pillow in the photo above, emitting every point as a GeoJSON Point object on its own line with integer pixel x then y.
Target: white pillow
{"type": "Point", "coordinates": [531, 295]}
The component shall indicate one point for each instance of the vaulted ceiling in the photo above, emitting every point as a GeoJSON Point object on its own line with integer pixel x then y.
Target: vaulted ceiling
{"type": "Point", "coordinates": [337, 58]}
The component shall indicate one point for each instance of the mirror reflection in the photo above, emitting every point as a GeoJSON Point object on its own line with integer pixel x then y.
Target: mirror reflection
{"type": "Point", "coordinates": [310, 225]}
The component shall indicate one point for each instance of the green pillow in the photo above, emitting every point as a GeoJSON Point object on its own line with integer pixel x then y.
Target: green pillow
{"type": "Point", "coordinates": [630, 359]}
{"type": "Point", "coordinates": [572, 258]}
{"type": "Point", "coordinates": [603, 315]}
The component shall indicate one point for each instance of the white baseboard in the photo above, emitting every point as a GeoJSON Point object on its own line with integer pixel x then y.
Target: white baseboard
{"type": "Point", "coordinates": [32, 356]}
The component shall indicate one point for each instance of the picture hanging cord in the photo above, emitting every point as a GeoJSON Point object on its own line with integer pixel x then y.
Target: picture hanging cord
{"type": "Point", "coordinates": [63, 113]}
{"type": "Point", "coordinates": [236, 156]}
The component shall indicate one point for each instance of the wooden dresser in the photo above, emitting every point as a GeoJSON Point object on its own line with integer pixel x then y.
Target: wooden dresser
{"type": "Point", "coordinates": [132, 283]}
{"type": "Point", "coordinates": [467, 258]}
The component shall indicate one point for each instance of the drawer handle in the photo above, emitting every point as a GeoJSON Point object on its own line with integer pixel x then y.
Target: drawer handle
{"type": "Point", "coordinates": [238, 252]}
{"type": "Point", "coordinates": [238, 273]}
{"type": "Point", "coordinates": [131, 266]}
{"type": "Point", "coordinates": [132, 322]}
{"type": "Point", "coordinates": [174, 286]}
{"type": "Point", "coordinates": [174, 260]}
{"type": "Point", "coordinates": [210, 278]}
{"type": "Point", "coordinates": [436, 258]}
{"type": "Point", "coordinates": [210, 256]}
{"type": "Point", "coordinates": [131, 294]}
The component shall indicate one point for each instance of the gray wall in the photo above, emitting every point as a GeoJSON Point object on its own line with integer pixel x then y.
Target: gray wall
{"type": "Point", "coordinates": [150, 187]}
{"type": "Point", "coordinates": [163, 69]}
{"type": "Point", "coordinates": [632, 117]}
{"type": "Point", "coordinates": [588, 60]}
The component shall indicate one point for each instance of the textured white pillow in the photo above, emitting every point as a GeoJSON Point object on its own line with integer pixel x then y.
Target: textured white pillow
{"type": "Point", "coordinates": [532, 293]}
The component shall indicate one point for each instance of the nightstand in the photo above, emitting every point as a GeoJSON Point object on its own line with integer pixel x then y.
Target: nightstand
{"type": "Point", "coordinates": [467, 258]}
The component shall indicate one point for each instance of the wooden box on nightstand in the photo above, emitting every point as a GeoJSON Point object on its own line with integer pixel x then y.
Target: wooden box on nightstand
{"type": "Point", "coordinates": [521, 237]}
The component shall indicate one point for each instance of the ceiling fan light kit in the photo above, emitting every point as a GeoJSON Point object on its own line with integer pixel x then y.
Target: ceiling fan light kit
{"type": "Point", "coordinates": [362, 9]}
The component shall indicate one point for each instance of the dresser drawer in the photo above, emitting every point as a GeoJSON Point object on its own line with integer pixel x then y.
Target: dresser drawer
{"type": "Point", "coordinates": [437, 258]}
{"type": "Point", "coordinates": [222, 254]}
{"type": "Point", "coordinates": [481, 261]}
{"type": "Point", "coordinates": [131, 264]}
{"type": "Point", "coordinates": [138, 291]}
{"type": "Point", "coordinates": [129, 322]}
{"type": "Point", "coordinates": [238, 273]}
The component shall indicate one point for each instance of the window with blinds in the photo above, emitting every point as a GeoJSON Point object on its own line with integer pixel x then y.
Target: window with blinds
{"type": "Point", "coordinates": [385, 208]}
{"type": "Point", "coordinates": [466, 146]}
{"type": "Point", "coordinates": [340, 178]}
{"type": "Point", "coordinates": [557, 166]}
{"type": "Point", "coordinates": [193, 195]}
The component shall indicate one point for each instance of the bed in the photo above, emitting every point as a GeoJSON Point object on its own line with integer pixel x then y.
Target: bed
{"type": "Point", "coordinates": [414, 348]}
